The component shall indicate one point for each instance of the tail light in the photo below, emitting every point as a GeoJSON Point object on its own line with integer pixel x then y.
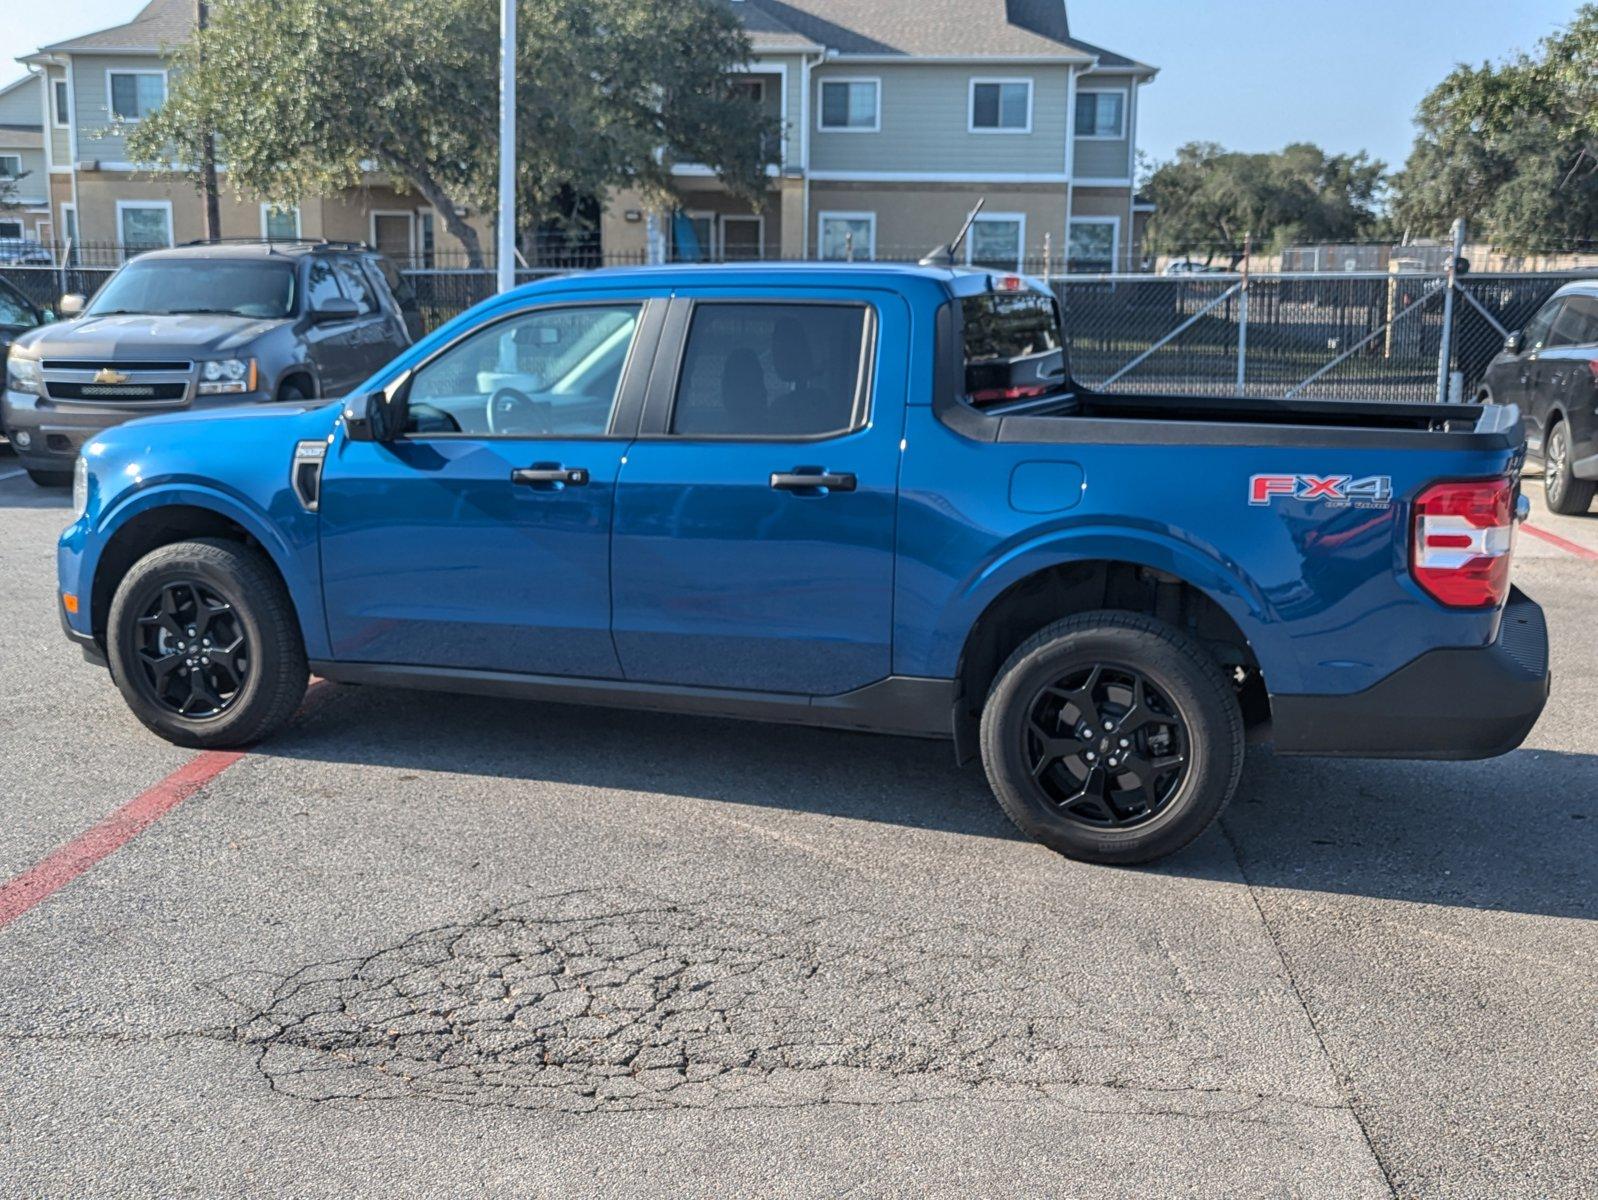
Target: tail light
{"type": "Point", "coordinates": [1463, 535]}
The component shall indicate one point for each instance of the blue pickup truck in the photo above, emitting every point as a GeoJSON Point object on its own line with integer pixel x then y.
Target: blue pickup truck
{"type": "Point", "coordinates": [858, 496]}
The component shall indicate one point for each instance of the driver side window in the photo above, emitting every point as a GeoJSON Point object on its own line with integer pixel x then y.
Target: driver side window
{"type": "Point", "coordinates": [554, 372]}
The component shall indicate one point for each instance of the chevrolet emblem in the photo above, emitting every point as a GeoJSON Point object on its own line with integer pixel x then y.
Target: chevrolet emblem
{"type": "Point", "coordinates": [108, 375]}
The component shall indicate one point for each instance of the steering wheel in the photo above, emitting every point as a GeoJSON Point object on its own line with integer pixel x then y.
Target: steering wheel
{"type": "Point", "coordinates": [513, 411]}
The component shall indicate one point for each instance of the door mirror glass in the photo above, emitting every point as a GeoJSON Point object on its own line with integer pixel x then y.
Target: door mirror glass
{"type": "Point", "coordinates": [328, 309]}
{"type": "Point", "coordinates": [72, 304]}
{"type": "Point", "coordinates": [378, 416]}
{"type": "Point", "coordinates": [1515, 342]}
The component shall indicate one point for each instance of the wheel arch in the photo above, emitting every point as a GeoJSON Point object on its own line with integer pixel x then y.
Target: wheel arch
{"type": "Point", "coordinates": [158, 519]}
{"type": "Point", "coordinates": [1216, 615]}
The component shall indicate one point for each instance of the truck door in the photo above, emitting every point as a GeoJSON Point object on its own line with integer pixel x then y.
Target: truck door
{"type": "Point", "coordinates": [754, 530]}
{"type": "Point", "coordinates": [1528, 392]}
{"type": "Point", "coordinates": [332, 346]}
{"type": "Point", "coordinates": [480, 539]}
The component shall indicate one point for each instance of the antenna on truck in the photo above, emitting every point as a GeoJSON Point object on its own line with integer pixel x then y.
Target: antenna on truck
{"type": "Point", "coordinates": [943, 256]}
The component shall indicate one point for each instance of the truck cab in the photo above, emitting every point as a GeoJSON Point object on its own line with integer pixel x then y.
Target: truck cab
{"type": "Point", "coordinates": [856, 496]}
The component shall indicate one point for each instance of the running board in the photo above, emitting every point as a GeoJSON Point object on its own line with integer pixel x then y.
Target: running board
{"type": "Point", "coordinates": [900, 704]}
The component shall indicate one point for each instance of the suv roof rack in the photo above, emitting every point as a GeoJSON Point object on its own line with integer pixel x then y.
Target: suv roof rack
{"type": "Point", "coordinates": [269, 243]}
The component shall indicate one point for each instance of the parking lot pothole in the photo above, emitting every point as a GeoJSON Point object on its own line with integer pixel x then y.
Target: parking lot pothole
{"type": "Point", "coordinates": [605, 1000]}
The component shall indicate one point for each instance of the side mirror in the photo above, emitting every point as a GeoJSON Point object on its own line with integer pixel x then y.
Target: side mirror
{"type": "Point", "coordinates": [1515, 342]}
{"type": "Point", "coordinates": [72, 304]}
{"type": "Point", "coordinates": [379, 416]}
{"type": "Point", "coordinates": [335, 308]}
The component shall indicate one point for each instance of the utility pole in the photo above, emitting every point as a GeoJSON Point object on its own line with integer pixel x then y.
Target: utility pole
{"type": "Point", "coordinates": [505, 253]}
{"type": "Point", "coordinates": [213, 210]}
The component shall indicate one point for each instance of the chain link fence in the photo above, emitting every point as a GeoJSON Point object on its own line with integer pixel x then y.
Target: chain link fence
{"type": "Point", "coordinates": [1350, 335]}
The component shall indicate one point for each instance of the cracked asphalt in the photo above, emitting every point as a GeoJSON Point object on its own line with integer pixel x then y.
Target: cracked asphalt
{"type": "Point", "coordinates": [436, 946]}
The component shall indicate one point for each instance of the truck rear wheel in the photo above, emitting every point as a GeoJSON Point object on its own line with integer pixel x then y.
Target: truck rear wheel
{"type": "Point", "coordinates": [204, 645]}
{"type": "Point", "coordinates": [1112, 737]}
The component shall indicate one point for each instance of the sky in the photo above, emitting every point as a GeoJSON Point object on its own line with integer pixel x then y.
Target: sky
{"type": "Point", "coordinates": [1250, 74]}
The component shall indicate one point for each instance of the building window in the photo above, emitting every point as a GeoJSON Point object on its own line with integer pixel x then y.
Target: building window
{"type": "Point", "coordinates": [753, 90]}
{"type": "Point", "coordinates": [63, 114]}
{"type": "Point", "coordinates": [280, 224]}
{"type": "Point", "coordinates": [427, 236]}
{"type": "Point", "coordinates": [693, 237]}
{"type": "Point", "coordinates": [851, 105]}
{"type": "Point", "coordinates": [10, 166]}
{"type": "Point", "coordinates": [135, 95]}
{"type": "Point", "coordinates": [1092, 243]}
{"type": "Point", "coordinates": [1001, 106]}
{"type": "Point", "coordinates": [848, 236]}
{"type": "Point", "coordinates": [143, 225]}
{"type": "Point", "coordinates": [1101, 115]}
{"type": "Point", "coordinates": [10, 229]}
{"type": "Point", "coordinates": [997, 241]}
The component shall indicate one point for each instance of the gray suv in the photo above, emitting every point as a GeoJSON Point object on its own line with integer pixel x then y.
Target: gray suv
{"type": "Point", "coordinates": [203, 326]}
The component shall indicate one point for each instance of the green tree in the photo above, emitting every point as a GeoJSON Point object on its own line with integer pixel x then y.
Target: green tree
{"type": "Point", "coordinates": [310, 96]}
{"type": "Point", "coordinates": [1513, 147]}
{"type": "Point", "coordinates": [1208, 198]}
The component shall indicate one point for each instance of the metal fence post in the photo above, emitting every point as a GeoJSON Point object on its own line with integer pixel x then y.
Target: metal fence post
{"type": "Point", "coordinates": [1242, 315]}
{"type": "Point", "coordinates": [1446, 349]}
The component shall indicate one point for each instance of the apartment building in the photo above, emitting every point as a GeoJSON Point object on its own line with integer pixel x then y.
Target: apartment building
{"type": "Point", "coordinates": [898, 116]}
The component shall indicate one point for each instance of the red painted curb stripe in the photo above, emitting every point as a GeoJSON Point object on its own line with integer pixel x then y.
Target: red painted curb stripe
{"type": "Point", "coordinates": [1553, 539]}
{"type": "Point", "coordinates": [53, 873]}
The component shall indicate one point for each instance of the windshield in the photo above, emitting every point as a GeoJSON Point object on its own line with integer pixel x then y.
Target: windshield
{"type": "Point", "coordinates": [1013, 347]}
{"type": "Point", "coordinates": [163, 286]}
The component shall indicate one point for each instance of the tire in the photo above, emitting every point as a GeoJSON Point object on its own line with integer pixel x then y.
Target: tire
{"type": "Point", "coordinates": [266, 673]}
{"type": "Point", "coordinates": [1188, 710]}
{"type": "Point", "coordinates": [50, 479]}
{"type": "Point", "coordinates": [1564, 493]}
{"type": "Point", "coordinates": [292, 392]}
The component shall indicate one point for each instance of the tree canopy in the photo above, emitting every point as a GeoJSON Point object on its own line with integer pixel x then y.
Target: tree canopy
{"type": "Point", "coordinates": [1512, 146]}
{"type": "Point", "coordinates": [1208, 198]}
{"type": "Point", "coordinates": [308, 97]}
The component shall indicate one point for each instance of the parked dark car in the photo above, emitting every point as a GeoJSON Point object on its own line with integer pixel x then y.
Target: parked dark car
{"type": "Point", "coordinates": [18, 314]}
{"type": "Point", "coordinates": [1550, 369]}
{"type": "Point", "coordinates": [203, 326]}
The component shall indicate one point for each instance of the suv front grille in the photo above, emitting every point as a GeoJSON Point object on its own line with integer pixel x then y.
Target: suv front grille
{"type": "Point", "coordinates": [132, 390]}
{"type": "Point", "coordinates": [85, 364]}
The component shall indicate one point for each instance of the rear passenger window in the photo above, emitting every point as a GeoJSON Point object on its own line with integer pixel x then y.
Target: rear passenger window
{"type": "Point", "coordinates": [355, 285]}
{"type": "Point", "coordinates": [771, 370]}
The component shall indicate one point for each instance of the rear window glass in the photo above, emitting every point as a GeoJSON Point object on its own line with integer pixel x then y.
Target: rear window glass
{"type": "Point", "coordinates": [1013, 347]}
{"type": "Point", "coordinates": [770, 370]}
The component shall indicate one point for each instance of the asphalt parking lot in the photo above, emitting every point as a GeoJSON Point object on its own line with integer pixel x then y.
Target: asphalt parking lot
{"type": "Point", "coordinates": [435, 946]}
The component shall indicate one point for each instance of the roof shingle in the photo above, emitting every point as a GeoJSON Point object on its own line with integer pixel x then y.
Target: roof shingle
{"type": "Point", "coordinates": [160, 23]}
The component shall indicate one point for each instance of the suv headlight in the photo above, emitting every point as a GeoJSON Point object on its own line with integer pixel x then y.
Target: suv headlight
{"type": "Point", "coordinates": [222, 376]}
{"type": "Point", "coordinates": [80, 488]}
{"type": "Point", "coordinates": [24, 375]}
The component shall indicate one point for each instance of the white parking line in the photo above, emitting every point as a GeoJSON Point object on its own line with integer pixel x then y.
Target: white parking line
{"type": "Point", "coordinates": [18, 474]}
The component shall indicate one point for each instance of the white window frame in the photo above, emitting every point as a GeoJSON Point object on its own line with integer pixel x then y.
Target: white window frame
{"type": "Point", "coordinates": [833, 214]}
{"type": "Point", "coordinates": [1126, 113]}
{"type": "Point", "coordinates": [821, 108]}
{"type": "Point", "coordinates": [1017, 219]}
{"type": "Point", "coordinates": [110, 109]}
{"type": "Point", "coordinates": [710, 251]}
{"type": "Point", "coordinates": [268, 209]}
{"type": "Point", "coordinates": [760, 234]}
{"type": "Point", "coordinates": [61, 114]}
{"type": "Point", "coordinates": [69, 227]}
{"type": "Point", "coordinates": [1115, 237]}
{"type": "Point", "coordinates": [410, 217]}
{"type": "Point", "coordinates": [124, 205]}
{"type": "Point", "coordinates": [758, 81]}
{"type": "Point", "coordinates": [971, 125]}
{"type": "Point", "coordinates": [14, 175]}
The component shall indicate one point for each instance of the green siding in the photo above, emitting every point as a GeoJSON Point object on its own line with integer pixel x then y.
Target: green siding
{"type": "Point", "coordinates": [99, 138]}
{"type": "Point", "coordinates": [924, 122]}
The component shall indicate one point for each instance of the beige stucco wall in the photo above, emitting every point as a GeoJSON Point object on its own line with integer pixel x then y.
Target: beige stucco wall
{"type": "Point", "coordinates": [914, 218]}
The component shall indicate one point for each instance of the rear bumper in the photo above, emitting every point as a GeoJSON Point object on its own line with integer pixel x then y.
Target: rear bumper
{"type": "Point", "coordinates": [1451, 704]}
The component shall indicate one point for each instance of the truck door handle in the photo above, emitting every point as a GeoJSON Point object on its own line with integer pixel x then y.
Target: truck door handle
{"type": "Point", "coordinates": [812, 481]}
{"type": "Point", "coordinates": [550, 477]}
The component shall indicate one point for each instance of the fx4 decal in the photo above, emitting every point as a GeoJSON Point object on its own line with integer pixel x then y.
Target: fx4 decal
{"type": "Point", "coordinates": [1340, 491]}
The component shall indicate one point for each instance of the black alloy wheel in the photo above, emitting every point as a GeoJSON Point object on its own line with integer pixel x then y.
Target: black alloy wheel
{"type": "Point", "coordinates": [1106, 746]}
{"type": "Point", "coordinates": [193, 653]}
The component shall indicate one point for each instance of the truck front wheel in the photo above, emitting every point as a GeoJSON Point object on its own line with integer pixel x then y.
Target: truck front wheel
{"type": "Point", "coordinates": [1112, 737]}
{"type": "Point", "coordinates": [204, 645]}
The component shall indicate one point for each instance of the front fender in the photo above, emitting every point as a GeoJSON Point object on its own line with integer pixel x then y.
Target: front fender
{"type": "Point", "coordinates": [1202, 566]}
{"type": "Point", "coordinates": [285, 533]}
